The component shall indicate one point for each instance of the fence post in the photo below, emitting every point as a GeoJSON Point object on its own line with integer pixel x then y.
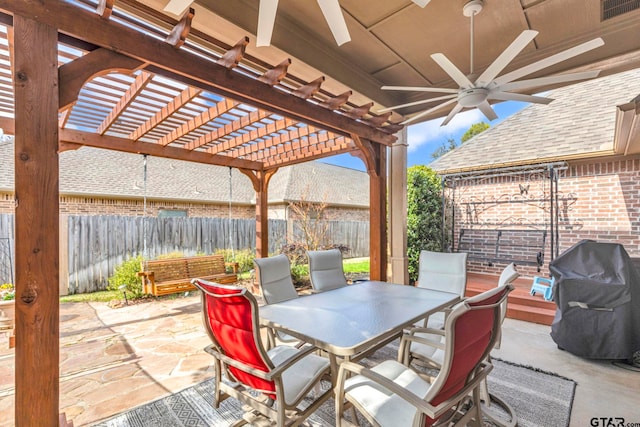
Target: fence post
{"type": "Point", "coordinates": [64, 254]}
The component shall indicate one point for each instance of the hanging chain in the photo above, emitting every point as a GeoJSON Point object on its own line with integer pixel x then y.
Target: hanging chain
{"type": "Point", "coordinates": [231, 225]}
{"type": "Point", "coordinates": [144, 210]}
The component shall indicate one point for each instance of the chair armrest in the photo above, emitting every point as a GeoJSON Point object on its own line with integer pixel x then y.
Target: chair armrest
{"type": "Point", "coordinates": [270, 375]}
{"type": "Point", "coordinates": [239, 365]}
{"type": "Point", "coordinates": [357, 369]}
{"type": "Point", "coordinates": [419, 403]}
{"type": "Point", "coordinates": [286, 364]}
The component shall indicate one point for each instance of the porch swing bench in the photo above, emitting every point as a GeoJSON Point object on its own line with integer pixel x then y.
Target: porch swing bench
{"type": "Point", "coordinates": [503, 246]}
{"type": "Point", "coordinates": [173, 275]}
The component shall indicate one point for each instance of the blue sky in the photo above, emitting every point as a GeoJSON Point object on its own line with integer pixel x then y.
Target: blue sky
{"type": "Point", "coordinates": [424, 138]}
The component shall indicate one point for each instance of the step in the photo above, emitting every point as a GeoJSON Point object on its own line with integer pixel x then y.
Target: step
{"type": "Point", "coordinates": [526, 307]}
{"type": "Point", "coordinates": [538, 315]}
{"type": "Point", "coordinates": [522, 305]}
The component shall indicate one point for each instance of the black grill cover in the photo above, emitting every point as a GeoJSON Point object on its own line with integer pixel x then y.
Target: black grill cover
{"type": "Point", "coordinates": [597, 291]}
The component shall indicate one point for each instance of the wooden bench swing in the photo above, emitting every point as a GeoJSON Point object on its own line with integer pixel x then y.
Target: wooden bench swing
{"type": "Point", "coordinates": [172, 275]}
{"type": "Point", "coordinates": [503, 246]}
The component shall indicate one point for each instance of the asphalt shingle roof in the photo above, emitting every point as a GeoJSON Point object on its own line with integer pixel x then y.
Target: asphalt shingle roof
{"type": "Point", "coordinates": [579, 123]}
{"type": "Point", "coordinates": [105, 173]}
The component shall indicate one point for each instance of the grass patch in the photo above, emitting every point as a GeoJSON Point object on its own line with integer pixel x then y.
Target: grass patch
{"type": "Point", "coordinates": [356, 265]}
{"type": "Point", "coordinates": [100, 296]}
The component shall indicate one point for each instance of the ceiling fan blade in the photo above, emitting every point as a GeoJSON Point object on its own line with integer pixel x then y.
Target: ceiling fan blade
{"type": "Point", "coordinates": [333, 14]}
{"type": "Point", "coordinates": [487, 110]}
{"type": "Point", "coordinates": [542, 81]}
{"type": "Point", "coordinates": [424, 113]}
{"type": "Point", "coordinates": [421, 89]}
{"type": "Point", "coordinates": [411, 104]}
{"type": "Point", "coordinates": [177, 6]}
{"type": "Point", "coordinates": [266, 20]}
{"type": "Point", "coordinates": [549, 61]}
{"type": "Point", "coordinates": [506, 57]}
{"type": "Point", "coordinates": [453, 71]}
{"type": "Point", "coordinates": [510, 96]}
{"type": "Point", "coordinates": [421, 3]}
{"type": "Point", "coordinates": [453, 112]}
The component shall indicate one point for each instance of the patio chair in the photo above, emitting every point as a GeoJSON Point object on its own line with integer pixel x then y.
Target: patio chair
{"type": "Point", "coordinates": [325, 270]}
{"type": "Point", "coordinates": [442, 271]}
{"type": "Point", "coordinates": [276, 285]}
{"type": "Point", "coordinates": [393, 394]}
{"type": "Point", "coordinates": [426, 347]}
{"type": "Point", "coordinates": [272, 383]}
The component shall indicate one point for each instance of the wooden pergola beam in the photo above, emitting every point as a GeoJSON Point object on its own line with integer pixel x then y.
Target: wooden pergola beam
{"type": "Point", "coordinates": [73, 139]}
{"type": "Point", "coordinates": [279, 139]}
{"type": "Point", "coordinates": [252, 117]}
{"type": "Point", "coordinates": [165, 112]}
{"type": "Point", "coordinates": [141, 81]}
{"type": "Point", "coordinates": [181, 31]}
{"type": "Point", "coordinates": [73, 75]}
{"type": "Point", "coordinates": [205, 117]}
{"type": "Point", "coordinates": [308, 149]}
{"type": "Point", "coordinates": [186, 67]}
{"type": "Point", "coordinates": [261, 132]}
{"type": "Point", "coordinates": [290, 145]}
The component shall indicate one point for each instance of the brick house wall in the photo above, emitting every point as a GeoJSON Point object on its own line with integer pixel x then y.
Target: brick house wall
{"type": "Point", "coordinates": [598, 200]}
{"type": "Point", "coordinates": [77, 205]}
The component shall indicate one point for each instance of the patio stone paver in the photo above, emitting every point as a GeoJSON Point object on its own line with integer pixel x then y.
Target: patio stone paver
{"type": "Point", "coordinates": [114, 359]}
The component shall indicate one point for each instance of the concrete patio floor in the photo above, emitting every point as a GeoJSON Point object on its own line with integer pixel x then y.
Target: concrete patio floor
{"type": "Point", "coordinates": [115, 359]}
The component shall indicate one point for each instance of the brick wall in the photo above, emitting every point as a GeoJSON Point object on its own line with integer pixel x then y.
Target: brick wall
{"type": "Point", "coordinates": [74, 205]}
{"type": "Point", "coordinates": [597, 200]}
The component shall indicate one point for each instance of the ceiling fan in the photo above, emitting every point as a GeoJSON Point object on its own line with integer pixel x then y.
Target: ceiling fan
{"type": "Point", "coordinates": [267, 17]}
{"type": "Point", "coordinates": [488, 86]}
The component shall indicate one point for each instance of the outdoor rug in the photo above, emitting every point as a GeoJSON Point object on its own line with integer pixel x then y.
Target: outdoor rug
{"type": "Point", "coordinates": [538, 399]}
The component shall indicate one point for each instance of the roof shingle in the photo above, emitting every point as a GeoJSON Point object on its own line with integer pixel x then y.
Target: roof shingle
{"type": "Point", "coordinates": [579, 123]}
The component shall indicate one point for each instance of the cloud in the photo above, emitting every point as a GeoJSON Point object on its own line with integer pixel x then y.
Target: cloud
{"type": "Point", "coordinates": [431, 132]}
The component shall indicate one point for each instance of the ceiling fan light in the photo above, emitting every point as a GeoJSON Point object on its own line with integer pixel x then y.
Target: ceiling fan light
{"type": "Point", "coordinates": [472, 97]}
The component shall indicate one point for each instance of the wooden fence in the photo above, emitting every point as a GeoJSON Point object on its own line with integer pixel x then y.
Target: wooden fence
{"type": "Point", "coordinates": [98, 244]}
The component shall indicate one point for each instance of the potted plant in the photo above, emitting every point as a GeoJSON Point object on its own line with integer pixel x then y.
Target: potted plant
{"type": "Point", "coordinates": [7, 306]}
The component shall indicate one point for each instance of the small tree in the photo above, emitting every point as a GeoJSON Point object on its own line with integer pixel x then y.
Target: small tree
{"type": "Point", "coordinates": [474, 130]}
{"type": "Point", "coordinates": [424, 216]}
{"type": "Point", "coordinates": [452, 144]}
{"type": "Point", "coordinates": [311, 220]}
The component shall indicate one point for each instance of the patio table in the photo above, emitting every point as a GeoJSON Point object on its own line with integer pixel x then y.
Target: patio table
{"type": "Point", "coordinates": [348, 321]}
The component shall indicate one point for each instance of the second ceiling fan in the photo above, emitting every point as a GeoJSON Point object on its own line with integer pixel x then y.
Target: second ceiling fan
{"type": "Point", "coordinates": [476, 93]}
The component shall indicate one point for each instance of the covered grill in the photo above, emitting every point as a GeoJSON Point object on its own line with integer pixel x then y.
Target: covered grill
{"type": "Point", "coordinates": [597, 292]}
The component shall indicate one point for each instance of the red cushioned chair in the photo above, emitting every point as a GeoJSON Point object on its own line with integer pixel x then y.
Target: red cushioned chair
{"type": "Point", "coordinates": [273, 382]}
{"type": "Point", "coordinates": [393, 394]}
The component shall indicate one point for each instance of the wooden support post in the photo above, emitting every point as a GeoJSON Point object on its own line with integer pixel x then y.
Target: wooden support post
{"type": "Point", "coordinates": [260, 181]}
{"type": "Point", "coordinates": [36, 223]}
{"type": "Point", "coordinates": [378, 214]}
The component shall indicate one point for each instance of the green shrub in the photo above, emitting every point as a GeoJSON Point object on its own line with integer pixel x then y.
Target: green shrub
{"type": "Point", "coordinates": [300, 275]}
{"type": "Point", "coordinates": [424, 216]}
{"type": "Point", "coordinates": [127, 274]}
{"type": "Point", "coordinates": [243, 257]}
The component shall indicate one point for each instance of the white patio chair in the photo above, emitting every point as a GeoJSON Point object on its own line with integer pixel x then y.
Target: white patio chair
{"type": "Point", "coordinates": [325, 270]}
{"type": "Point", "coordinates": [392, 394]}
{"type": "Point", "coordinates": [276, 285]}
{"type": "Point", "coordinates": [442, 271]}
